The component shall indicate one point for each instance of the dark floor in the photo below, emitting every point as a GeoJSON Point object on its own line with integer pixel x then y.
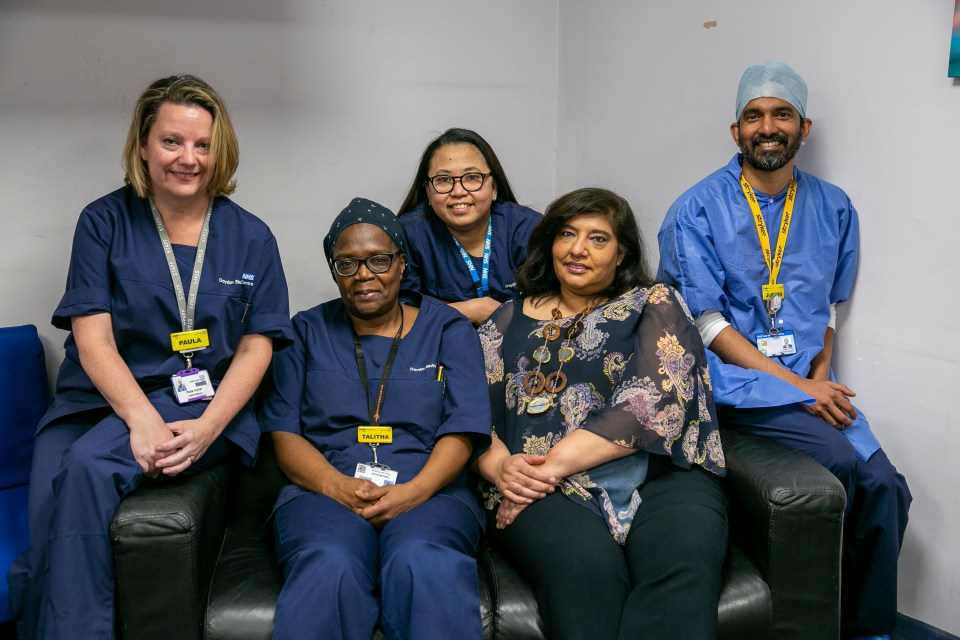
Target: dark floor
{"type": "Point", "coordinates": [907, 629]}
{"type": "Point", "coordinates": [8, 631]}
{"type": "Point", "coordinates": [910, 629]}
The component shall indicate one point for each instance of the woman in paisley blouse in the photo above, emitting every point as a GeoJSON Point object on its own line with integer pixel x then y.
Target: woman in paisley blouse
{"type": "Point", "coordinates": [604, 472]}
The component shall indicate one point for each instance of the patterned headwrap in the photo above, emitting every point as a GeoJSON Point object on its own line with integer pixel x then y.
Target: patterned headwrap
{"type": "Point", "coordinates": [363, 211]}
{"type": "Point", "coordinates": [772, 80]}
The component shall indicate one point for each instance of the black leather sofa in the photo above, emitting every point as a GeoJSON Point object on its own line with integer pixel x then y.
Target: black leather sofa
{"type": "Point", "coordinates": [194, 558]}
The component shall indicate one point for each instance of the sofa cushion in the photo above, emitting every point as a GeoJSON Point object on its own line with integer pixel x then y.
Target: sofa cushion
{"type": "Point", "coordinates": [13, 538]}
{"type": "Point", "coordinates": [24, 394]}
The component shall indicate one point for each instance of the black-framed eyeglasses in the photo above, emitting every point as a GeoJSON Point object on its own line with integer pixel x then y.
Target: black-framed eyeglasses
{"type": "Point", "coordinates": [472, 181]}
{"type": "Point", "coordinates": [378, 263]}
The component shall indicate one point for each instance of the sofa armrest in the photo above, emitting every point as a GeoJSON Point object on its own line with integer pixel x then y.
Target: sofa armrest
{"type": "Point", "coordinates": [166, 538]}
{"type": "Point", "coordinates": [787, 514]}
{"type": "Point", "coordinates": [246, 584]}
{"type": "Point", "coordinates": [511, 608]}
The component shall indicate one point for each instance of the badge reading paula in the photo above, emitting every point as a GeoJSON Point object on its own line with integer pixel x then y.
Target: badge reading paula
{"type": "Point", "coordinates": [190, 340]}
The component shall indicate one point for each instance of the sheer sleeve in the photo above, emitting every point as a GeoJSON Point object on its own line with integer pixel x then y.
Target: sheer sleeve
{"type": "Point", "coordinates": [491, 335]}
{"type": "Point", "coordinates": [663, 402]}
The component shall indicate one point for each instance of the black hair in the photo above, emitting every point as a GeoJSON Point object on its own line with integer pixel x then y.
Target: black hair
{"type": "Point", "coordinates": [536, 277]}
{"type": "Point", "coordinates": [418, 195]}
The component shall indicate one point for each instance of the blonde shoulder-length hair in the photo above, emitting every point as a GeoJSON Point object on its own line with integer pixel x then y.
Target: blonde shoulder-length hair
{"type": "Point", "coordinates": [184, 90]}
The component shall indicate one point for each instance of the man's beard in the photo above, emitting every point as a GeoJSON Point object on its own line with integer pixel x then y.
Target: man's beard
{"type": "Point", "coordinates": [773, 159]}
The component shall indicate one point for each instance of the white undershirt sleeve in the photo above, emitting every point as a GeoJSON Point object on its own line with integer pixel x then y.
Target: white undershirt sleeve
{"type": "Point", "coordinates": [710, 324]}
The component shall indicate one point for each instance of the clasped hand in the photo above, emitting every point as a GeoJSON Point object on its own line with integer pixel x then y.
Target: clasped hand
{"type": "Point", "coordinates": [521, 481]}
{"type": "Point", "coordinates": [832, 402]}
{"type": "Point", "coordinates": [168, 447]}
{"type": "Point", "coordinates": [377, 505]}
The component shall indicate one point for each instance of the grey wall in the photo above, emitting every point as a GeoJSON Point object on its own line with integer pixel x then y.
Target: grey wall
{"type": "Point", "coordinates": [647, 95]}
{"type": "Point", "coordinates": [329, 100]}
{"type": "Point", "coordinates": [337, 99]}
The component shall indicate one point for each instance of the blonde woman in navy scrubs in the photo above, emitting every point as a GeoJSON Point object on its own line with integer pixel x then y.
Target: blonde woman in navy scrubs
{"type": "Point", "coordinates": [175, 301]}
{"type": "Point", "coordinates": [466, 232]}
{"type": "Point", "coordinates": [375, 411]}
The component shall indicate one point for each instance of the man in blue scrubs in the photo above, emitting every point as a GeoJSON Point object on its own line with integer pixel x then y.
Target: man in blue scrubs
{"type": "Point", "coordinates": [762, 253]}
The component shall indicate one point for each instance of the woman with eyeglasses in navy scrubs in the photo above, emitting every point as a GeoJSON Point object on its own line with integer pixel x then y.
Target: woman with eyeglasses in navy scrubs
{"type": "Point", "coordinates": [374, 412]}
{"type": "Point", "coordinates": [466, 232]}
{"type": "Point", "coordinates": [175, 301]}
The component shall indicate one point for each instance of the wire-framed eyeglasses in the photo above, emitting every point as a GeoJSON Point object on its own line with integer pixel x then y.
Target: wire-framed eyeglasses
{"type": "Point", "coordinates": [472, 181]}
{"type": "Point", "coordinates": [377, 263]}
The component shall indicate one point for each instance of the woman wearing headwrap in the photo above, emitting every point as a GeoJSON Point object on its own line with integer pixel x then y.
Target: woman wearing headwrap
{"type": "Point", "coordinates": [375, 412]}
{"type": "Point", "coordinates": [467, 233]}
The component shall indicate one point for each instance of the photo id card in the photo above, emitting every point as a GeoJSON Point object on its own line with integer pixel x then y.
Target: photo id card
{"type": "Point", "coordinates": [780, 343]}
{"type": "Point", "coordinates": [377, 474]}
{"type": "Point", "coordinates": [191, 385]}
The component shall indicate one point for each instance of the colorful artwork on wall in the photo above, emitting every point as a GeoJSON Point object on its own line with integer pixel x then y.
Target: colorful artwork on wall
{"type": "Point", "coordinates": [954, 68]}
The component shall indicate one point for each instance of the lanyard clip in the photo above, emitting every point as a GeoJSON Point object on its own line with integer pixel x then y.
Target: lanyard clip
{"type": "Point", "coordinates": [774, 303]}
{"type": "Point", "coordinates": [188, 356]}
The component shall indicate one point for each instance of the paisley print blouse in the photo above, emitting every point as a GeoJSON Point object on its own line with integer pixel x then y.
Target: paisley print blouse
{"type": "Point", "coordinates": [638, 377]}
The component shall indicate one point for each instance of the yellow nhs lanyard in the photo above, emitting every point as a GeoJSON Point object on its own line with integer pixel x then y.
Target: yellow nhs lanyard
{"type": "Point", "coordinates": [774, 261]}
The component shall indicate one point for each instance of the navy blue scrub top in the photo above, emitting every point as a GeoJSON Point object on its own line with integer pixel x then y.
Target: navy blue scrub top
{"type": "Point", "coordinates": [316, 391]}
{"type": "Point", "coordinates": [436, 268]}
{"type": "Point", "coordinates": [118, 267]}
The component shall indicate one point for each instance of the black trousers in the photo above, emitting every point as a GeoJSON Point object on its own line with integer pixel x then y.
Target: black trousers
{"type": "Point", "coordinates": [663, 583]}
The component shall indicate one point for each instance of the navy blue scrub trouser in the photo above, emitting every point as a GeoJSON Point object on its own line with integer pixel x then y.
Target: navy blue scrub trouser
{"type": "Point", "coordinates": [663, 583]}
{"type": "Point", "coordinates": [875, 518]}
{"type": "Point", "coordinates": [417, 575]}
{"type": "Point", "coordinates": [62, 587]}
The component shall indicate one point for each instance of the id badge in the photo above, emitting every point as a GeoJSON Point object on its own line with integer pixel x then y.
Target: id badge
{"type": "Point", "coordinates": [377, 474]}
{"type": "Point", "coordinates": [769, 290]}
{"type": "Point", "coordinates": [196, 340]}
{"type": "Point", "coordinates": [375, 434]}
{"type": "Point", "coordinates": [781, 343]}
{"type": "Point", "coordinates": [191, 385]}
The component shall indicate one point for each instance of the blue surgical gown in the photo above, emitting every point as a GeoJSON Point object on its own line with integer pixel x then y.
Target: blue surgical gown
{"type": "Point", "coordinates": [436, 268]}
{"type": "Point", "coordinates": [710, 251]}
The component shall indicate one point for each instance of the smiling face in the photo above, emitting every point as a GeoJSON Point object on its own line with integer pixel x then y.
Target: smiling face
{"type": "Point", "coordinates": [177, 154]}
{"type": "Point", "coordinates": [586, 255]}
{"type": "Point", "coordinates": [769, 133]}
{"type": "Point", "coordinates": [461, 210]}
{"type": "Point", "coordinates": [368, 295]}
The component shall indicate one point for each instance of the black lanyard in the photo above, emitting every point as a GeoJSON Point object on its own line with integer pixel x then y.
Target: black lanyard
{"type": "Point", "coordinates": [374, 411]}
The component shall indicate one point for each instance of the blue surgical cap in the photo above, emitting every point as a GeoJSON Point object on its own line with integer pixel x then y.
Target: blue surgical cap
{"type": "Point", "coordinates": [772, 80]}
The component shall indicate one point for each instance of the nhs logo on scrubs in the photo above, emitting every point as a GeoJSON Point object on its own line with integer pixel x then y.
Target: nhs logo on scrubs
{"type": "Point", "coordinates": [245, 279]}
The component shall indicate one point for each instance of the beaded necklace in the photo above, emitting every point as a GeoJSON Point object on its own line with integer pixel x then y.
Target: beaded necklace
{"type": "Point", "coordinates": [535, 382]}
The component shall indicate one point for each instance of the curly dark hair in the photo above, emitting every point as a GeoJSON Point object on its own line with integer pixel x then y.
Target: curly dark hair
{"type": "Point", "coordinates": [536, 277]}
{"type": "Point", "coordinates": [418, 194]}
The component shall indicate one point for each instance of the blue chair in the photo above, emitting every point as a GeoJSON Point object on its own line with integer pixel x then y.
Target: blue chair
{"type": "Point", "coordinates": [24, 394]}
